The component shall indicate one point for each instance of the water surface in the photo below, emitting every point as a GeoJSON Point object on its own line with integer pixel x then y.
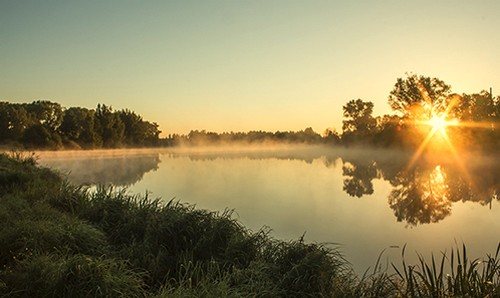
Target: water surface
{"type": "Point", "coordinates": [363, 200]}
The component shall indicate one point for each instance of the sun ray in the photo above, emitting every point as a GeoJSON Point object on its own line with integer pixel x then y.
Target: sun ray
{"type": "Point", "coordinates": [421, 149]}
{"type": "Point", "coordinates": [478, 124]}
{"type": "Point", "coordinates": [457, 158]}
{"type": "Point", "coordinates": [438, 123]}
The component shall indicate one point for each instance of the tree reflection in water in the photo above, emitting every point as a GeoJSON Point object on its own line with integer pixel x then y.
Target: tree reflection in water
{"type": "Point", "coordinates": [118, 170]}
{"type": "Point", "coordinates": [420, 196]}
{"type": "Point", "coordinates": [360, 175]}
{"type": "Point", "coordinates": [424, 193]}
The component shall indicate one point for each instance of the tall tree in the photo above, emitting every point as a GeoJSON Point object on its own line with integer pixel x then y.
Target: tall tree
{"type": "Point", "coordinates": [46, 113]}
{"type": "Point", "coordinates": [419, 96]}
{"type": "Point", "coordinates": [359, 124]}
{"type": "Point", "coordinates": [40, 136]}
{"type": "Point", "coordinates": [78, 126]}
{"type": "Point", "coordinates": [109, 126]}
{"type": "Point", "coordinates": [13, 121]}
{"type": "Point", "coordinates": [138, 132]}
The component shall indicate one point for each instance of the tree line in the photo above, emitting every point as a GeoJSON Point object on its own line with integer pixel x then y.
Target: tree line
{"type": "Point", "coordinates": [203, 137]}
{"type": "Point", "coordinates": [46, 124]}
{"type": "Point", "coordinates": [413, 99]}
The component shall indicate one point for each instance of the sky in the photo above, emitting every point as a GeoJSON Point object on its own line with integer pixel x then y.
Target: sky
{"type": "Point", "coordinates": [241, 65]}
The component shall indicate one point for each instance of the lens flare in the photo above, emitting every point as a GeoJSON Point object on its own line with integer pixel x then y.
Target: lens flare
{"type": "Point", "coordinates": [439, 123]}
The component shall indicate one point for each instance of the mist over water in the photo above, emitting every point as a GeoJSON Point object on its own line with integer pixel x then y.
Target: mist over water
{"type": "Point", "coordinates": [362, 199]}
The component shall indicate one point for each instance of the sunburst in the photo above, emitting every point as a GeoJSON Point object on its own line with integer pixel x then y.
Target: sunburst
{"type": "Point", "coordinates": [438, 123]}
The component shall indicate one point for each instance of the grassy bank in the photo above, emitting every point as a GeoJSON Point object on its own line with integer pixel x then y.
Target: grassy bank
{"type": "Point", "coordinates": [58, 239]}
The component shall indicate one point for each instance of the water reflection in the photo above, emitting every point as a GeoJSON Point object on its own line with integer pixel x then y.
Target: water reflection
{"type": "Point", "coordinates": [425, 192]}
{"type": "Point", "coordinates": [359, 175]}
{"type": "Point", "coordinates": [118, 170]}
{"type": "Point", "coordinates": [364, 200]}
{"type": "Point", "coordinates": [421, 194]}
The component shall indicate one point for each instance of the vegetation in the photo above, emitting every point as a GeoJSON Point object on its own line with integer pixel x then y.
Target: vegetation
{"type": "Point", "coordinates": [62, 240]}
{"type": "Point", "coordinates": [306, 136]}
{"type": "Point", "coordinates": [414, 99]}
{"type": "Point", "coordinates": [45, 124]}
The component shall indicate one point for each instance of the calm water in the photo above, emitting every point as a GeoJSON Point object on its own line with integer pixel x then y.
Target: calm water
{"type": "Point", "coordinates": [365, 201]}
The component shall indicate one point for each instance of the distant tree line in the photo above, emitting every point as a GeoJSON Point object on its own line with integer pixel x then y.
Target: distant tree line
{"type": "Point", "coordinates": [202, 137]}
{"type": "Point", "coordinates": [45, 124]}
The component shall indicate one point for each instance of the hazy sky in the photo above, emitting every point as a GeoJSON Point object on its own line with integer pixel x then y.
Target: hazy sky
{"type": "Point", "coordinates": [241, 65]}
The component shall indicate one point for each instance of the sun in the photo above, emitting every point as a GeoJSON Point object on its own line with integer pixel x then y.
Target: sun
{"type": "Point", "coordinates": [439, 123]}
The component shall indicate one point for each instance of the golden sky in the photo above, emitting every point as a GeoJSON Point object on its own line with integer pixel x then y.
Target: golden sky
{"type": "Point", "coordinates": [241, 65]}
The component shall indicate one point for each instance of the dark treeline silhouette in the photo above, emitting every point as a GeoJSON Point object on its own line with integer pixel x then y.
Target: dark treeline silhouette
{"type": "Point", "coordinates": [202, 137]}
{"type": "Point", "coordinates": [414, 100]}
{"type": "Point", "coordinates": [45, 124]}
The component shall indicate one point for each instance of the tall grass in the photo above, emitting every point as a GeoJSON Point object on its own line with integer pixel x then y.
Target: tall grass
{"type": "Point", "coordinates": [451, 275]}
{"type": "Point", "coordinates": [62, 240]}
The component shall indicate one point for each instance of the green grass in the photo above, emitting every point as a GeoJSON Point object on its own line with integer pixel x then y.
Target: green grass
{"type": "Point", "coordinates": [452, 274]}
{"type": "Point", "coordinates": [63, 240]}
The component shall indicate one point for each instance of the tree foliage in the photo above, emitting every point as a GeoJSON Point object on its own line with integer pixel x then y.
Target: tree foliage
{"type": "Point", "coordinates": [45, 124]}
{"type": "Point", "coordinates": [203, 137]}
{"type": "Point", "coordinates": [359, 123]}
{"type": "Point", "coordinates": [415, 95]}
{"type": "Point", "coordinates": [416, 99]}
{"type": "Point", "coordinates": [78, 125]}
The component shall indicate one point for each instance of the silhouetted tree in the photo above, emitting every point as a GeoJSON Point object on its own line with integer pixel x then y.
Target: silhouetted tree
{"type": "Point", "coordinates": [133, 123]}
{"type": "Point", "coordinates": [331, 136]}
{"type": "Point", "coordinates": [39, 136]}
{"type": "Point", "coordinates": [78, 126]}
{"type": "Point", "coordinates": [46, 113]}
{"type": "Point", "coordinates": [388, 132]}
{"type": "Point", "coordinates": [415, 96]}
{"type": "Point", "coordinates": [13, 121]}
{"type": "Point", "coordinates": [359, 124]}
{"type": "Point", "coordinates": [47, 124]}
{"type": "Point", "coordinates": [109, 126]}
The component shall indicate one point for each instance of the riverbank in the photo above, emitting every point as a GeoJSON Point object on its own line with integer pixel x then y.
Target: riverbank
{"type": "Point", "coordinates": [62, 240]}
